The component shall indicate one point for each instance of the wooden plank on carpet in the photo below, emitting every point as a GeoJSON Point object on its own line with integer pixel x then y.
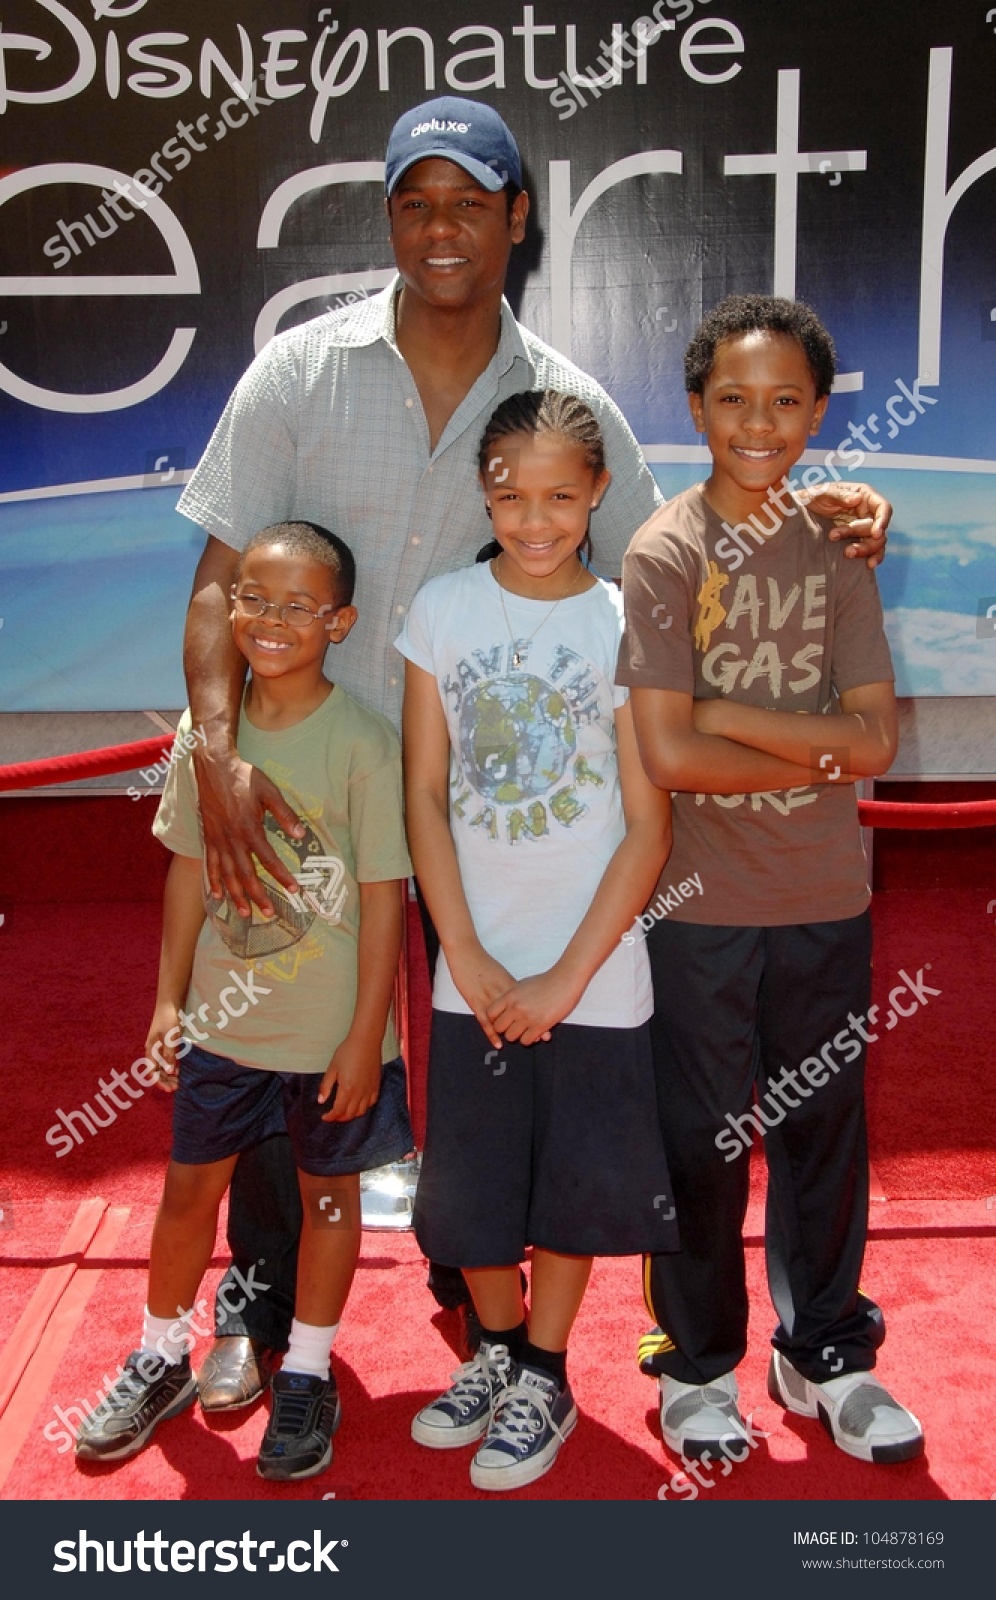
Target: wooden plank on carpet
{"type": "Point", "coordinates": [61, 1322]}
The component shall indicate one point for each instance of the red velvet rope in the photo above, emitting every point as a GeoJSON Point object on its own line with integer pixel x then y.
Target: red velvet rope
{"type": "Point", "coordinates": [130, 757]}
{"type": "Point", "coordinates": [88, 764]}
{"type": "Point", "coordinates": [954, 814]}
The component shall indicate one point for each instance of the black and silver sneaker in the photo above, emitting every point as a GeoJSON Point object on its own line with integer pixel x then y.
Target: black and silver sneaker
{"type": "Point", "coordinates": [305, 1413]}
{"type": "Point", "coordinates": [859, 1414]}
{"type": "Point", "coordinates": [462, 1414]}
{"type": "Point", "coordinates": [148, 1391]}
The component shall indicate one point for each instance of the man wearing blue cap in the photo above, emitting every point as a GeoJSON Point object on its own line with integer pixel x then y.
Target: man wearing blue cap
{"type": "Point", "coordinates": [367, 420]}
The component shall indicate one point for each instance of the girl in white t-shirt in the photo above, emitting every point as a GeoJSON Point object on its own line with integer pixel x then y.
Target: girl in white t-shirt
{"type": "Point", "coordinates": [537, 839]}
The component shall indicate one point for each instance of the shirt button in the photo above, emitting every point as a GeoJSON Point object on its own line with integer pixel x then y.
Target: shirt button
{"type": "Point", "coordinates": [393, 682]}
{"type": "Point", "coordinates": [416, 538]}
{"type": "Point", "coordinates": [409, 402]}
{"type": "Point", "coordinates": [401, 610]}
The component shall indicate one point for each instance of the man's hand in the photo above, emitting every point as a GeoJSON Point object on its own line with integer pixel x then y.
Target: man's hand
{"type": "Point", "coordinates": [867, 515]}
{"type": "Point", "coordinates": [480, 979]}
{"type": "Point", "coordinates": [532, 1007]}
{"type": "Point", "coordinates": [233, 799]}
{"type": "Point", "coordinates": [354, 1073]}
{"type": "Point", "coordinates": [165, 1020]}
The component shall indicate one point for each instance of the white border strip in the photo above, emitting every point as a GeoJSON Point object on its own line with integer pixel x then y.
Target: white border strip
{"type": "Point", "coordinates": [138, 480]}
{"type": "Point", "coordinates": [665, 454]}
{"type": "Point", "coordinates": [697, 454]}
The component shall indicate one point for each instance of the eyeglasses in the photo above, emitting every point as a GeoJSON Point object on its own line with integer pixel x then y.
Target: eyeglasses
{"type": "Point", "coordinates": [297, 616]}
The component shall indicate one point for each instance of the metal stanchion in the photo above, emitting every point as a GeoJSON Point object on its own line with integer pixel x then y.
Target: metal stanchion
{"type": "Point", "coordinates": [387, 1194]}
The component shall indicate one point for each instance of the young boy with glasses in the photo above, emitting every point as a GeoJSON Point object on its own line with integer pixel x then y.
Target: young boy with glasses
{"type": "Point", "coordinates": [308, 1044]}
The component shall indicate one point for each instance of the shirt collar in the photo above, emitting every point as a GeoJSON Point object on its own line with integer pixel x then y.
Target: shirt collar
{"type": "Point", "coordinates": [374, 318]}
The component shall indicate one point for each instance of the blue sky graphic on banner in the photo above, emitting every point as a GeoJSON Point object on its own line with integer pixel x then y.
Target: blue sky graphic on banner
{"type": "Point", "coordinates": [668, 165]}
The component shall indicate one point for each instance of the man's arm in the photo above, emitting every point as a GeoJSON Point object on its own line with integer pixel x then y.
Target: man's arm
{"type": "Point", "coordinates": [676, 755]}
{"type": "Point", "coordinates": [232, 795]}
{"type": "Point", "coordinates": [867, 729]}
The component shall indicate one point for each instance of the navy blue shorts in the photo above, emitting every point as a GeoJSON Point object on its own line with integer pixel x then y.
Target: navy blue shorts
{"type": "Point", "coordinates": [556, 1144]}
{"type": "Point", "coordinates": [221, 1108]}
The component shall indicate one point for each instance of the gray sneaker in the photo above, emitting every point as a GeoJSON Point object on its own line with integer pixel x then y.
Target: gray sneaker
{"type": "Point", "coordinates": [697, 1417]}
{"type": "Point", "coordinates": [858, 1413]}
{"type": "Point", "coordinates": [148, 1391]}
{"type": "Point", "coordinates": [461, 1415]}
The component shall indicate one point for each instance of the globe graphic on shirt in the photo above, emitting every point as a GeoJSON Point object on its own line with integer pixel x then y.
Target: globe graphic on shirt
{"type": "Point", "coordinates": [516, 738]}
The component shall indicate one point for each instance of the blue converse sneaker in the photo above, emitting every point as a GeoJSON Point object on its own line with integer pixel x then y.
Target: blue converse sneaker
{"type": "Point", "coordinates": [148, 1391]}
{"type": "Point", "coordinates": [532, 1419]}
{"type": "Point", "coordinates": [461, 1415]}
{"type": "Point", "coordinates": [860, 1415]}
{"type": "Point", "coordinates": [298, 1439]}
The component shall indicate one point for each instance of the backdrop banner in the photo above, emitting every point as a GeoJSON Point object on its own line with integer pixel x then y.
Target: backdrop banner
{"type": "Point", "coordinates": [179, 181]}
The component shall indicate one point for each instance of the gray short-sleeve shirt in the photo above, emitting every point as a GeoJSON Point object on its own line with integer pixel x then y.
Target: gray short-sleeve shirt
{"type": "Point", "coordinates": [327, 425]}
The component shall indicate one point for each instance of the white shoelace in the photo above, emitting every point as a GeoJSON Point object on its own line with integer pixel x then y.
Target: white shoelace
{"type": "Point", "coordinates": [475, 1377]}
{"type": "Point", "coordinates": [513, 1429]}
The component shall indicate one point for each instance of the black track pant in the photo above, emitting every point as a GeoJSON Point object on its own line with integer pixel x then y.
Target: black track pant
{"type": "Point", "coordinates": [734, 1007]}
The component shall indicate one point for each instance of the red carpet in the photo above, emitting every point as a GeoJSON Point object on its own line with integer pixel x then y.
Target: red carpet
{"type": "Point", "coordinates": [80, 940]}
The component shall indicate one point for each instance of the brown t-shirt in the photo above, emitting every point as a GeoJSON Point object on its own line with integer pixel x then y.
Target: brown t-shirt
{"type": "Point", "coordinates": [788, 626]}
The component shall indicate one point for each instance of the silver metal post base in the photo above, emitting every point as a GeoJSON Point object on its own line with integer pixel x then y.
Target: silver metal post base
{"type": "Point", "coordinates": [387, 1194]}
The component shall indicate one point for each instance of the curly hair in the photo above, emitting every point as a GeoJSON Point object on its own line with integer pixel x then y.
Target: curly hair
{"type": "Point", "coordinates": [761, 313]}
{"type": "Point", "coordinates": [545, 411]}
{"type": "Point", "coordinates": [312, 540]}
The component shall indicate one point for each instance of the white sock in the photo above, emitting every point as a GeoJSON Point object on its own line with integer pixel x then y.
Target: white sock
{"type": "Point", "coordinates": [309, 1348]}
{"type": "Point", "coordinates": [156, 1337]}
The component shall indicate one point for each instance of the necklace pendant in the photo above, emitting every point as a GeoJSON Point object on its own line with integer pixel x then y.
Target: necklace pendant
{"type": "Point", "coordinates": [516, 660]}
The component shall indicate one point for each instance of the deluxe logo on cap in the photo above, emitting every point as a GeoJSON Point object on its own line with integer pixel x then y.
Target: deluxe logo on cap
{"type": "Point", "coordinates": [466, 132]}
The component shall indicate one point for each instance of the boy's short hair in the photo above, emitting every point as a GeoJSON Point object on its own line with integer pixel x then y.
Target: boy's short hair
{"type": "Point", "coordinates": [761, 313]}
{"type": "Point", "coordinates": [310, 539]}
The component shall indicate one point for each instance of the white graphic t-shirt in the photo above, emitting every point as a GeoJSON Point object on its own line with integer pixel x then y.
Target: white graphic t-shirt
{"type": "Point", "coordinates": [535, 804]}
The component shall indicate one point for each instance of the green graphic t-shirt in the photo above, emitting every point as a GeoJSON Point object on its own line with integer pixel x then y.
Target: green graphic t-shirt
{"type": "Point", "coordinates": [279, 994]}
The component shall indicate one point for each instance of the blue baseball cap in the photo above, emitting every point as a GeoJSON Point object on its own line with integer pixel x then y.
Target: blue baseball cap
{"type": "Point", "coordinates": [467, 132]}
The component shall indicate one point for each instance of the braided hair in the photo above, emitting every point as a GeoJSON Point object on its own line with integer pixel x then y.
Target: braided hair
{"type": "Point", "coordinates": [545, 411]}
